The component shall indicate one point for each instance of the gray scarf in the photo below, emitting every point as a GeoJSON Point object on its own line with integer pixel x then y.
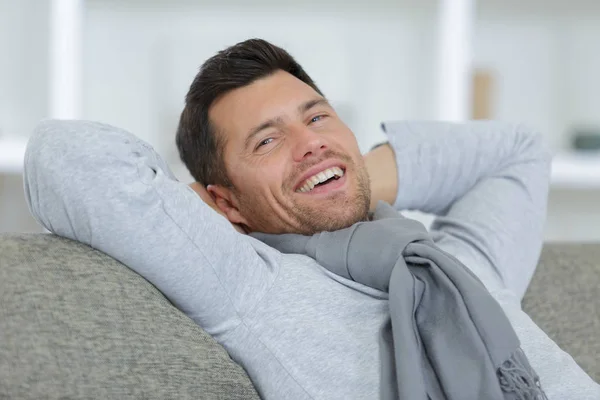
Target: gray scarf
{"type": "Point", "coordinates": [447, 338]}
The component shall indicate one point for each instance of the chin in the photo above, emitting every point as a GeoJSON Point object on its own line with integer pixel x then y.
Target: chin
{"type": "Point", "coordinates": [325, 220]}
{"type": "Point", "coordinates": [329, 213]}
{"type": "Point", "coordinates": [350, 219]}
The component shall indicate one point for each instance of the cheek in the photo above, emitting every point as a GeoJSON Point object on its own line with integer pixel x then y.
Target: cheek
{"type": "Point", "coordinates": [347, 139]}
{"type": "Point", "coordinates": [262, 182]}
{"type": "Point", "coordinates": [350, 146]}
{"type": "Point", "coordinates": [271, 174]}
{"type": "Point", "coordinates": [276, 181]}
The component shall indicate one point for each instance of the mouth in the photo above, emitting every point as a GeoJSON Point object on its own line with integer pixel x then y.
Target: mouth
{"type": "Point", "coordinates": [323, 181]}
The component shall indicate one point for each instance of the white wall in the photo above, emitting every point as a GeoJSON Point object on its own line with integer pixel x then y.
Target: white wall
{"type": "Point", "coordinates": [23, 94]}
{"type": "Point", "coordinates": [23, 65]}
{"type": "Point", "coordinates": [14, 213]}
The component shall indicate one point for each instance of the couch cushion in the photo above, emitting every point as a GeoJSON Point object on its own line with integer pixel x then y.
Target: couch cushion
{"type": "Point", "coordinates": [564, 300]}
{"type": "Point", "coordinates": [77, 324]}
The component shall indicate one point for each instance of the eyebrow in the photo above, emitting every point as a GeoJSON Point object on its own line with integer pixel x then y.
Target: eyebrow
{"type": "Point", "coordinates": [302, 108]}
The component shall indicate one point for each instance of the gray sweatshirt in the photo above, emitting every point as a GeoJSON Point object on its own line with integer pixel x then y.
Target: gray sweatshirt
{"type": "Point", "coordinates": [298, 330]}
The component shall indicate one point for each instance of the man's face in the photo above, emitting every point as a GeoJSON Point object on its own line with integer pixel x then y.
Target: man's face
{"type": "Point", "coordinates": [294, 165]}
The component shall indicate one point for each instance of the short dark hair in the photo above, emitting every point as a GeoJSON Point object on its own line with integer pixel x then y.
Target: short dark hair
{"type": "Point", "coordinates": [200, 147]}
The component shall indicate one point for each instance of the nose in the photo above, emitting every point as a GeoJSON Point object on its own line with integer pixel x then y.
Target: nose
{"type": "Point", "coordinates": [307, 144]}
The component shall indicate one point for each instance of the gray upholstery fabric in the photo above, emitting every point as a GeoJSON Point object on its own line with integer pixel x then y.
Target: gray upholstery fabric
{"type": "Point", "coordinates": [564, 300]}
{"type": "Point", "coordinates": [74, 323]}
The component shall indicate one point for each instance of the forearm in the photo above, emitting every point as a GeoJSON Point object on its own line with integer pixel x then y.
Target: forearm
{"type": "Point", "coordinates": [438, 163]}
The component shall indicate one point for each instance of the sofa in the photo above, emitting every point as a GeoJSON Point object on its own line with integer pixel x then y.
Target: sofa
{"type": "Point", "coordinates": [75, 323]}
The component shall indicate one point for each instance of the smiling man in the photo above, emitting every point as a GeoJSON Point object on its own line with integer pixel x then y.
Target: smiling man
{"type": "Point", "coordinates": [289, 163]}
{"type": "Point", "coordinates": [271, 155]}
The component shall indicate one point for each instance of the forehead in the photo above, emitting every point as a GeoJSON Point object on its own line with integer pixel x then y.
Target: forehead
{"type": "Point", "coordinates": [238, 111]}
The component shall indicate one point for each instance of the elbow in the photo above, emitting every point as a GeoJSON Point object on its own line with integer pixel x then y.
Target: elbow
{"type": "Point", "coordinates": [52, 142]}
{"type": "Point", "coordinates": [533, 146]}
{"type": "Point", "coordinates": [41, 155]}
{"type": "Point", "coordinates": [50, 145]}
{"type": "Point", "coordinates": [38, 146]}
{"type": "Point", "coordinates": [48, 164]}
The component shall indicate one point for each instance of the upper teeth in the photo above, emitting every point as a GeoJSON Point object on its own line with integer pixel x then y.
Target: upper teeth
{"type": "Point", "coordinates": [321, 177]}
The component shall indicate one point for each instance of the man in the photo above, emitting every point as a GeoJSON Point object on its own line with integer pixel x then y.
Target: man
{"type": "Point", "coordinates": [275, 157]}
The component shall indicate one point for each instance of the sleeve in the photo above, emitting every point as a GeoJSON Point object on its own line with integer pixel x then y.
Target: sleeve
{"type": "Point", "coordinates": [487, 183]}
{"type": "Point", "coordinates": [104, 187]}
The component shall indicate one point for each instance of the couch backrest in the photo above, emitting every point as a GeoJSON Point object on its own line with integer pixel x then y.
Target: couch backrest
{"type": "Point", "coordinates": [74, 323]}
{"type": "Point", "coordinates": [564, 300]}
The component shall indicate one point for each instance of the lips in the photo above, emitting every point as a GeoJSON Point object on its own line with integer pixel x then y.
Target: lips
{"type": "Point", "coordinates": [328, 188]}
{"type": "Point", "coordinates": [319, 174]}
{"type": "Point", "coordinates": [321, 178]}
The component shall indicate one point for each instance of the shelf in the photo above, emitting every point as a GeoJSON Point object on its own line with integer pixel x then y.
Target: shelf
{"type": "Point", "coordinates": [576, 171]}
{"type": "Point", "coordinates": [12, 154]}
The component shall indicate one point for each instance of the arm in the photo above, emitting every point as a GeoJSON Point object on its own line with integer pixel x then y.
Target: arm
{"type": "Point", "coordinates": [104, 187]}
{"type": "Point", "coordinates": [487, 182]}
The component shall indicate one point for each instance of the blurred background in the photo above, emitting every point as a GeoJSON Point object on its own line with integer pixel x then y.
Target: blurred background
{"type": "Point", "coordinates": [130, 62]}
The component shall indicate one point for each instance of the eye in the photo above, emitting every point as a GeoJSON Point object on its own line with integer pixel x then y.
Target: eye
{"type": "Point", "coordinates": [264, 142]}
{"type": "Point", "coordinates": [317, 118]}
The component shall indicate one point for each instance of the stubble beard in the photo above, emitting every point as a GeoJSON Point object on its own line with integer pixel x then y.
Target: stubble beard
{"type": "Point", "coordinates": [344, 211]}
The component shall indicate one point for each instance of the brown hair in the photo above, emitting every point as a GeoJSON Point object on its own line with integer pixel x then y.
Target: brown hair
{"type": "Point", "coordinates": [200, 147]}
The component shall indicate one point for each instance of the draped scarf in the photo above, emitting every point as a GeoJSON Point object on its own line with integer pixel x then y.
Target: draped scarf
{"type": "Point", "coordinates": [446, 338]}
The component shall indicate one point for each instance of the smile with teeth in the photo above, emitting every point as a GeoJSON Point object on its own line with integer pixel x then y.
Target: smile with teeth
{"type": "Point", "coordinates": [321, 177]}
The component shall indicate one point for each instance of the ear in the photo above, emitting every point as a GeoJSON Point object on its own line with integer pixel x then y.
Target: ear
{"type": "Point", "coordinates": [227, 202]}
